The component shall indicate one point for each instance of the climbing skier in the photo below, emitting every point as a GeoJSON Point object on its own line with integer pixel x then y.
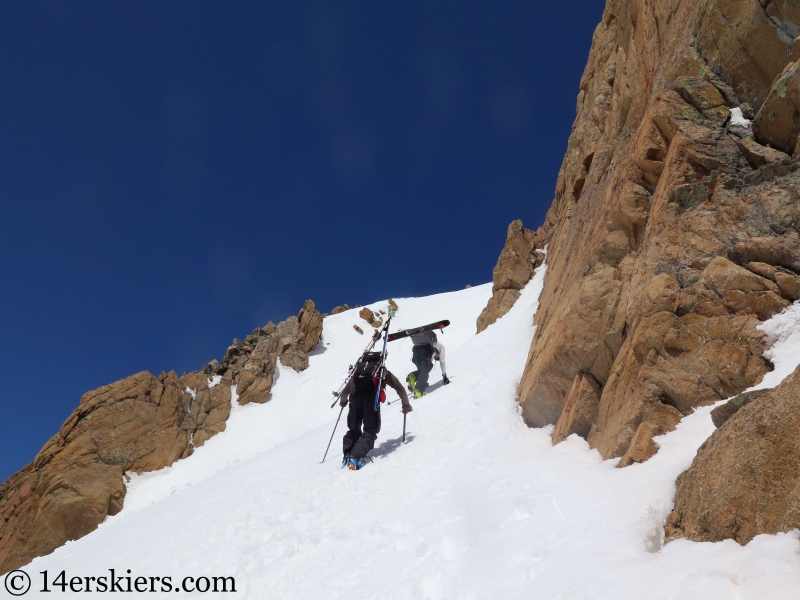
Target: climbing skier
{"type": "Point", "coordinates": [360, 393]}
{"type": "Point", "coordinates": [427, 348]}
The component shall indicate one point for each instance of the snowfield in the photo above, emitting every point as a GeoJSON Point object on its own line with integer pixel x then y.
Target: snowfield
{"type": "Point", "coordinates": [474, 506]}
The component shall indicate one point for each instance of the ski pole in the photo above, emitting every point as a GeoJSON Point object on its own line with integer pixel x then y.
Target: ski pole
{"type": "Point", "coordinates": [404, 427]}
{"type": "Point", "coordinates": [334, 431]}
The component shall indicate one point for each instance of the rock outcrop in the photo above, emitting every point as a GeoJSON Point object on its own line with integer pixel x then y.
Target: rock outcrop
{"type": "Point", "coordinates": [138, 424]}
{"type": "Point", "coordinates": [374, 319]}
{"type": "Point", "coordinates": [674, 230]}
{"type": "Point", "coordinates": [580, 409]}
{"type": "Point", "coordinates": [778, 120]}
{"type": "Point", "coordinates": [745, 479]}
{"type": "Point", "coordinates": [521, 254]}
{"type": "Point", "coordinates": [721, 414]}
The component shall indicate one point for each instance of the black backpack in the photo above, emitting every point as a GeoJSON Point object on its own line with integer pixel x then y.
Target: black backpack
{"type": "Point", "coordinates": [367, 372]}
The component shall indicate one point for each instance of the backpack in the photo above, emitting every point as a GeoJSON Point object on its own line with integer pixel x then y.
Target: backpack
{"type": "Point", "coordinates": [367, 372]}
{"type": "Point", "coordinates": [424, 338]}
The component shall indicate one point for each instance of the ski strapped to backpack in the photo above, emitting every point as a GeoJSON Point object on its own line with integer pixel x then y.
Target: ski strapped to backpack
{"type": "Point", "coordinates": [337, 394]}
{"type": "Point", "coordinates": [367, 350]}
{"type": "Point", "coordinates": [409, 332]}
{"type": "Point", "coordinates": [382, 367]}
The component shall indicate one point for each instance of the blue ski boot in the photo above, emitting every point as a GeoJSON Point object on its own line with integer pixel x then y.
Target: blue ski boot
{"type": "Point", "coordinates": [354, 464]}
{"type": "Point", "coordinates": [345, 460]}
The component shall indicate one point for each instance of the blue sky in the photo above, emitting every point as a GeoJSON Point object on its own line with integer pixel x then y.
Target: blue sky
{"type": "Point", "coordinates": [174, 174]}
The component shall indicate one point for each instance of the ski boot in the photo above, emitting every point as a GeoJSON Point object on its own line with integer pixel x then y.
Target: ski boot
{"type": "Point", "coordinates": [411, 380]}
{"type": "Point", "coordinates": [354, 464]}
{"type": "Point", "coordinates": [412, 385]}
{"type": "Point", "coordinates": [445, 380]}
{"type": "Point", "coordinates": [345, 460]}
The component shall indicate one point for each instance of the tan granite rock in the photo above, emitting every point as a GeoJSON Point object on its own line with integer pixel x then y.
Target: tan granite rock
{"type": "Point", "coordinates": [745, 479]}
{"type": "Point", "coordinates": [777, 122]}
{"type": "Point", "coordinates": [722, 413]}
{"type": "Point", "coordinates": [758, 155]}
{"type": "Point", "coordinates": [138, 424]}
{"type": "Point", "coordinates": [661, 206]}
{"type": "Point", "coordinates": [580, 409]}
{"type": "Point", "coordinates": [366, 314]}
{"type": "Point", "coordinates": [520, 256]}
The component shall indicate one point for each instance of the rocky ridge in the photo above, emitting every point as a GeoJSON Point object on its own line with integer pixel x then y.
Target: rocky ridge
{"type": "Point", "coordinates": [138, 424]}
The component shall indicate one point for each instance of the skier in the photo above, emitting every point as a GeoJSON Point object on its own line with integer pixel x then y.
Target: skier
{"type": "Point", "coordinates": [427, 348]}
{"type": "Point", "coordinates": [360, 393]}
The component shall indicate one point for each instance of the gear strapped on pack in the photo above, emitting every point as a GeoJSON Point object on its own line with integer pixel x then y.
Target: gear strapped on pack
{"type": "Point", "coordinates": [367, 373]}
{"type": "Point", "coordinates": [380, 395]}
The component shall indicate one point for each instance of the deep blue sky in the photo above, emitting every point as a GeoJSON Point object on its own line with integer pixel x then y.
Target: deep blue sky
{"type": "Point", "coordinates": [174, 174]}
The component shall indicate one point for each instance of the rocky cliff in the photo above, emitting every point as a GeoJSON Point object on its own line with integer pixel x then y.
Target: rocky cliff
{"type": "Point", "coordinates": [745, 479]}
{"type": "Point", "coordinates": [672, 235]}
{"type": "Point", "coordinates": [674, 230]}
{"type": "Point", "coordinates": [141, 423]}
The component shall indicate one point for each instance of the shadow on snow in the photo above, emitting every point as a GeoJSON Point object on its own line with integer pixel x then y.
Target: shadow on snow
{"type": "Point", "coordinates": [390, 446]}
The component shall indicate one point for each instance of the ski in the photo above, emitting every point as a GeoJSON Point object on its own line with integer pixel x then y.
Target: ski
{"type": "Point", "coordinates": [382, 369]}
{"type": "Point", "coordinates": [351, 370]}
{"type": "Point", "coordinates": [407, 332]}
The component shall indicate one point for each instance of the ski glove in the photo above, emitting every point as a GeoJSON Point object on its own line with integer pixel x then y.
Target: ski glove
{"type": "Point", "coordinates": [407, 409]}
{"type": "Point", "coordinates": [343, 401]}
{"type": "Point", "coordinates": [445, 380]}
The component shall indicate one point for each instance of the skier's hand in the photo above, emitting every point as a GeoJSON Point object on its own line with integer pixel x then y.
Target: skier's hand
{"type": "Point", "coordinates": [445, 380]}
{"type": "Point", "coordinates": [436, 356]}
{"type": "Point", "coordinates": [407, 409]}
{"type": "Point", "coordinates": [343, 402]}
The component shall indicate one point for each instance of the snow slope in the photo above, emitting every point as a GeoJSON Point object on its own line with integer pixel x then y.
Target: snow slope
{"type": "Point", "coordinates": [475, 505]}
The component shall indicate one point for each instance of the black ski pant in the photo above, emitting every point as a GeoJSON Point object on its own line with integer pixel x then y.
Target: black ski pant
{"type": "Point", "coordinates": [362, 410]}
{"type": "Point", "coordinates": [422, 357]}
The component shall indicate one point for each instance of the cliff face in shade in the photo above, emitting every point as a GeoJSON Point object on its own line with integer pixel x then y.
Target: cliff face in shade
{"type": "Point", "coordinates": [138, 424]}
{"type": "Point", "coordinates": [674, 230]}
